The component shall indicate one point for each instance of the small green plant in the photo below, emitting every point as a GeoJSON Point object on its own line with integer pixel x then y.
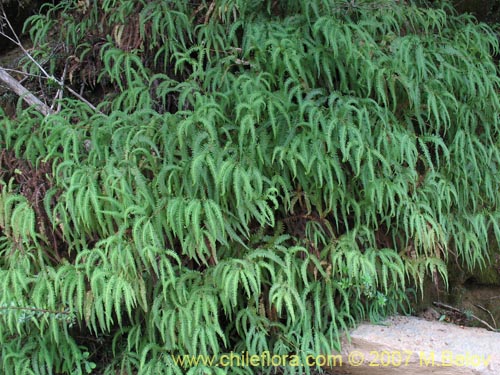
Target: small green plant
{"type": "Point", "coordinates": [250, 176]}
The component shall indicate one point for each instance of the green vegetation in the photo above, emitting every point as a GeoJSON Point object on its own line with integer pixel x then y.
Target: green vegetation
{"type": "Point", "coordinates": [256, 176]}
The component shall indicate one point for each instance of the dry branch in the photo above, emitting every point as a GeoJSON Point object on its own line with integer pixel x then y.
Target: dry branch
{"type": "Point", "coordinates": [451, 308]}
{"type": "Point", "coordinates": [41, 106]}
{"type": "Point", "coordinates": [24, 93]}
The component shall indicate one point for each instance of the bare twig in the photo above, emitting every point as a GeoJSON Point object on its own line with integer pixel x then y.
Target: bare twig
{"type": "Point", "coordinates": [26, 95]}
{"type": "Point", "coordinates": [15, 39]}
{"type": "Point", "coordinates": [451, 308]}
{"type": "Point", "coordinates": [489, 313]}
{"type": "Point", "coordinates": [20, 72]}
{"type": "Point", "coordinates": [59, 93]}
{"type": "Point", "coordinates": [447, 307]}
{"type": "Point", "coordinates": [81, 98]}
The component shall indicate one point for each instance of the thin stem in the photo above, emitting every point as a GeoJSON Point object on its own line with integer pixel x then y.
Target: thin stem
{"type": "Point", "coordinates": [60, 83]}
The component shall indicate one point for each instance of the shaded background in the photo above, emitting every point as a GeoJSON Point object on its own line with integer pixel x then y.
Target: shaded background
{"type": "Point", "coordinates": [18, 10]}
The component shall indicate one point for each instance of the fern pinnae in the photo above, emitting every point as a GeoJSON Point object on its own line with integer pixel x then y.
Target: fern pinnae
{"type": "Point", "coordinates": [381, 132]}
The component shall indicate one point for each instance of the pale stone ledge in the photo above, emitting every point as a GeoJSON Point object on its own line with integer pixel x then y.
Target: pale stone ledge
{"type": "Point", "coordinates": [410, 345]}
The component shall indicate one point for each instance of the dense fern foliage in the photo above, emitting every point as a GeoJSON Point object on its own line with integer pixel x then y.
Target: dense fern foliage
{"type": "Point", "coordinates": [258, 176]}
